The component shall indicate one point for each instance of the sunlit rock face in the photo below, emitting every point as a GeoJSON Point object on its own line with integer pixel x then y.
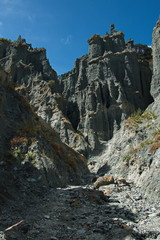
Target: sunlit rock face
{"type": "Point", "coordinates": [87, 105]}
{"type": "Point", "coordinates": [106, 86]}
{"type": "Point", "coordinates": [155, 86]}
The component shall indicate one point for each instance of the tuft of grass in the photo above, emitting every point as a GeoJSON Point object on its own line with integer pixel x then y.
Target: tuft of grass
{"type": "Point", "coordinates": [16, 153]}
{"type": "Point", "coordinates": [31, 157]}
{"type": "Point", "coordinates": [156, 132]}
{"type": "Point", "coordinates": [135, 149]}
{"type": "Point", "coordinates": [126, 159]}
{"type": "Point", "coordinates": [154, 146]}
{"type": "Point", "coordinates": [138, 117]}
{"type": "Point", "coordinates": [145, 143]}
{"type": "Point", "coordinates": [148, 115]}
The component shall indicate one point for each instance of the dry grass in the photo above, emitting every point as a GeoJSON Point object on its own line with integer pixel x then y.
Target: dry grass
{"type": "Point", "coordinates": [65, 120]}
{"type": "Point", "coordinates": [20, 88]}
{"type": "Point", "coordinates": [77, 138]}
{"type": "Point", "coordinates": [57, 148]}
{"type": "Point", "coordinates": [136, 149]}
{"type": "Point", "coordinates": [158, 137]}
{"type": "Point", "coordinates": [131, 123]}
{"type": "Point", "coordinates": [18, 140]}
{"type": "Point", "coordinates": [71, 161]}
{"type": "Point", "coordinates": [154, 146]}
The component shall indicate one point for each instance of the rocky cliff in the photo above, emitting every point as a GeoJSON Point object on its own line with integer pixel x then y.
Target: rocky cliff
{"type": "Point", "coordinates": [106, 86]}
{"type": "Point", "coordinates": [87, 105]}
{"type": "Point", "coordinates": [90, 105]}
{"type": "Point", "coordinates": [134, 150]}
{"type": "Point", "coordinates": [31, 152]}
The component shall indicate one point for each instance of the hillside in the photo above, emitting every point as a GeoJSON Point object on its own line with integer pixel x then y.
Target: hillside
{"type": "Point", "coordinates": [60, 135]}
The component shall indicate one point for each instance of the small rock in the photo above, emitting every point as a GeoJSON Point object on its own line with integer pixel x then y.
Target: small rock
{"type": "Point", "coordinates": [134, 211]}
{"type": "Point", "coordinates": [2, 237]}
{"type": "Point", "coordinates": [139, 197]}
{"type": "Point", "coordinates": [46, 216]}
{"type": "Point", "coordinates": [153, 215]}
{"type": "Point", "coordinates": [81, 231]}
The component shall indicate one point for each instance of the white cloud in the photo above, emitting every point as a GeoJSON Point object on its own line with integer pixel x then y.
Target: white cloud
{"type": "Point", "coordinates": [67, 40]}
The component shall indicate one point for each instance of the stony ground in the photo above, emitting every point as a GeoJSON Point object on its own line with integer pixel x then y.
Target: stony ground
{"type": "Point", "coordinates": [80, 212]}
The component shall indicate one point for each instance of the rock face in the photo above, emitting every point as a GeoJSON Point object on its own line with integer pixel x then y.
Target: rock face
{"type": "Point", "coordinates": [133, 153]}
{"type": "Point", "coordinates": [106, 86]}
{"type": "Point", "coordinates": [155, 87]}
{"type": "Point", "coordinates": [134, 150]}
{"type": "Point", "coordinates": [87, 105]}
{"type": "Point", "coordinates": [31, 150]}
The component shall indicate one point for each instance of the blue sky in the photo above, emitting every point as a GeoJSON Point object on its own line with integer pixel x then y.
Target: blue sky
{"type": "Point", "coordinates": [63, 26]}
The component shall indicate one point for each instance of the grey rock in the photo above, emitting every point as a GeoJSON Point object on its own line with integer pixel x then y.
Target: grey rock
{"type": "Point", "coordinates": [105, 87]}
{"type": "Point", "coordinates": [155, 86]}
{"type": "Point", "coordinates": [2, 236]}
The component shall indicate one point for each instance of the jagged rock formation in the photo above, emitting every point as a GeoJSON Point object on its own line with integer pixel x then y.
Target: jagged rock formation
{"type": "Point", "coordinates": [32, 76]}
{"type": "Point", "coordinates": [134, 150]}
{"type": "Point", "coordinates": [155, 87]}
{"type": "Point", "coordinates": [106, 86]}
{"type": "Point", "coordinates": [86, 105]}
